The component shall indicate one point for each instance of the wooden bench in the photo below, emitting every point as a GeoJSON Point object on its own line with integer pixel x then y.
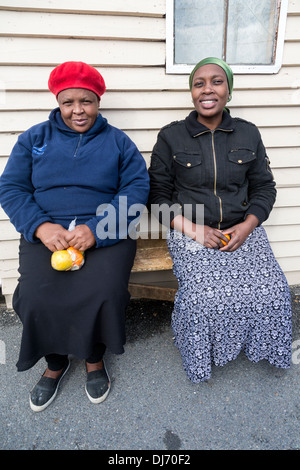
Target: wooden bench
{"type": "Point", "coordinates": [153, 257]}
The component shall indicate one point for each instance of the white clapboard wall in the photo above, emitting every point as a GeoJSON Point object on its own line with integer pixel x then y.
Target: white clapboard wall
{"type": "Point", "coordinates": [126, 42]}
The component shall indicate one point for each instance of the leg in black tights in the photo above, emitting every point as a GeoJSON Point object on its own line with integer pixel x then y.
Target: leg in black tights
{"type": "Point", "coordinates": [97, 354]}
{"type": "Point", "coordinates": [56, 362]}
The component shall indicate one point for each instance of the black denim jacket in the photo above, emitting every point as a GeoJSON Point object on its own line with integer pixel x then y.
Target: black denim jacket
{"type": "Point", "coordinates": [227, 170]}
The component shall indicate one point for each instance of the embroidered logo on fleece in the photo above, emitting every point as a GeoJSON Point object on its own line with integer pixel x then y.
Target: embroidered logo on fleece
{"type": "Point", "coordinates": [39, 150]}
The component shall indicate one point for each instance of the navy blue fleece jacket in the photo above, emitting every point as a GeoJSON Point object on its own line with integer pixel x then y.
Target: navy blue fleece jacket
{"type": "Point", "coordinates": [55, 174]}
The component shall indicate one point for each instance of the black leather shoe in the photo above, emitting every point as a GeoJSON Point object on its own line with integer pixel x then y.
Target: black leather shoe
{"type": "Point", "coordinates": [45, 391]}
{"type": "Point", "coordinates": [97, 385]}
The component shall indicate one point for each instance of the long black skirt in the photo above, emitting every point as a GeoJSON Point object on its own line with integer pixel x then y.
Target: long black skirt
{"type": "Point", "coordinates": [69, 312]}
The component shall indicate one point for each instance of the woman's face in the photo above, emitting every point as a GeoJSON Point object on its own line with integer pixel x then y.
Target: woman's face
{"type": "Point", "coordinates": [210, 94]}
{"type": "Point", "coordinates": [79, 108]}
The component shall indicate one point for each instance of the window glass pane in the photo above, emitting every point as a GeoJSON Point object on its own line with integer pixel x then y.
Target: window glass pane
{"type": "Point", "coordinates": [199, 30]}
{"type": "Point", "coordinates": [251, 31]}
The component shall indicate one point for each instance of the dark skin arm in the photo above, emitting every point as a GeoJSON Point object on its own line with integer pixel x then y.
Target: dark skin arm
{"type": "Point", "coordinates": [240, 232]}
{"type": "Point", "coordinates": [211, 237]}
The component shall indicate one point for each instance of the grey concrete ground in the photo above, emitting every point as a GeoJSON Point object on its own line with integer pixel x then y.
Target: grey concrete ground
{"type": "Point", "coordinates": [152, 405]}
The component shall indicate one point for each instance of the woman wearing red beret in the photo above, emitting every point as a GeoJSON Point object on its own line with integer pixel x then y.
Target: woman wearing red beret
{"type": "Point", "coordinates": [73, 169]}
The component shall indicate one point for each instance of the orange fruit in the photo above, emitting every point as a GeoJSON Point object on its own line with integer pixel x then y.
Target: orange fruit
{"type": "Point", "coordinates": [67, 260]}
{"type": "Point", "coordinates": [77, 258]}
{"type": "Point", "coordinates": [227, 236]}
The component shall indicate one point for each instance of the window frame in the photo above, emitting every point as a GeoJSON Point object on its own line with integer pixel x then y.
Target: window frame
{"type": "Point", "coordinates": [172, 68]}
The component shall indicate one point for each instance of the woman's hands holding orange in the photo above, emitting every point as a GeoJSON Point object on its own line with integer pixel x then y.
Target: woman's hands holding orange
{"type": "Point", "coordinates": [239, 233]}
{"type": "Point", "coordinates": [55, 237]}
{"type": "Point", "coordinates": [214, 238]}
{"type": "Point", "coordinates": [81, 238]}
{"type": "Point", "coordinates": [203, 234]}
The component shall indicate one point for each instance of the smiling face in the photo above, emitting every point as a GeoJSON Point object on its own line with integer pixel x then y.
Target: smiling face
{"type": "Point", "coordinates": [210, 94]}
{"type": "Point", "coordinates": [79, 108]}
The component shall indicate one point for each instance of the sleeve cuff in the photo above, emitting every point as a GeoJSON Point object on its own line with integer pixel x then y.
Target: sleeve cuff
{"type": "Point", "coordinates": [258, 211]}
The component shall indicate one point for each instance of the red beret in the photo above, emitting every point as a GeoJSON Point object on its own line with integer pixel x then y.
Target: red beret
{"type": "Point", "coordinates": [76, 75]}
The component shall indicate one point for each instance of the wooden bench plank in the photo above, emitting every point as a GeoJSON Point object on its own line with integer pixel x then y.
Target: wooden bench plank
{"type": "Point", "coordinates": [152, 255]}
{"type": "Point", "coordinates": [144, 291]}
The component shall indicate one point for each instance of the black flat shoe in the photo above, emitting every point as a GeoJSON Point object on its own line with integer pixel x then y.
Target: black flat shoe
{"type": "Point", "coordinates": [97, 385]}
{"type": "Point", "coordinates": [45, 391]}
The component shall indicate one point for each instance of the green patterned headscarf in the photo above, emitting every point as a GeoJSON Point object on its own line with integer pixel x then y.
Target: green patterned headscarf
{"type": "Point", "coordinates": [220, 63]}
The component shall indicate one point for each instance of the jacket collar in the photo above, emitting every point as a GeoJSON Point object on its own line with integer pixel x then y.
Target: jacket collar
{"type": "Point", "coordinates": [195, 128]}
{"type": "Point", "coordinates": [56, 119]}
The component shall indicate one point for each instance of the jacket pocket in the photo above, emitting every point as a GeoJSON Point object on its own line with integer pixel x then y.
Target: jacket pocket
{"type": "Point", "coordinates": [188, 168]}
{"type": "Point", "coordinates": [188, 160]}
{"type": "Point", "coordinates": [239, 163]}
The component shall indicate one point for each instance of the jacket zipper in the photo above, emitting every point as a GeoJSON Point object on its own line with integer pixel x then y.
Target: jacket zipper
{"type": "Point", "coordinates": [215, 170]}
{"type": "Point", "coordinates": [78, 145]}
{"type": "Point", "coordinates": [215, 180]}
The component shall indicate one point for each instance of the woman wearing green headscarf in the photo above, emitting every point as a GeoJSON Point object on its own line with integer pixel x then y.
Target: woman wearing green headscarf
{"type": "Point", "coordinates": [212, 174]}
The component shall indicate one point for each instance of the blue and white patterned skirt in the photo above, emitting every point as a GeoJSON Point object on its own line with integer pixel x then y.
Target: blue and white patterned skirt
{"type": "Point", "coordinates": [229, 302]}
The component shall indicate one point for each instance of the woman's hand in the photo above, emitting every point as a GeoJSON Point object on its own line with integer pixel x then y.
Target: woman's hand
{"type": "Point", "coordinates": [203, 234]}
{"type": "Point", "coordinates": [211, 237]}
{"type": "Point", "coordinates": [53, 236]}
{"type": "Point", "coordinates": [81, 238]}
{"type": "Point", "coordinates": [240, 232]}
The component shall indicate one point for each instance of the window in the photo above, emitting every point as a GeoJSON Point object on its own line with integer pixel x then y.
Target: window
{"type": "Point", "coordinates": [249, 35]}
